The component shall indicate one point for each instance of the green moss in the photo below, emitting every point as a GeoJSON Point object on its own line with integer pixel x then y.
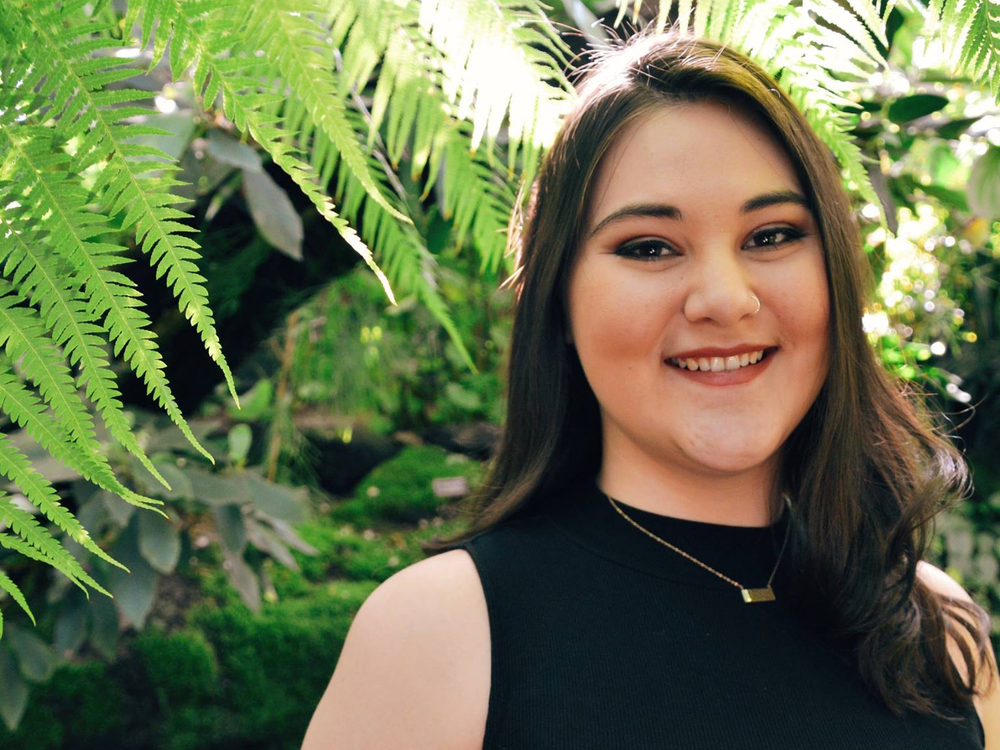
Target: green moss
{"type": "Point", "coordinates": [181, 666]}
{"type": "Point", "coordinates": [399, 490]}
{"type": "Point", "coordinates": [80, 701]}
{"type": "Point", "coordinates": [276, 664]}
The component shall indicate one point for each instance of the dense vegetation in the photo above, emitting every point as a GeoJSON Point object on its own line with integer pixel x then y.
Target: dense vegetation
{"type": "Point", "coordinates": [201, 199]}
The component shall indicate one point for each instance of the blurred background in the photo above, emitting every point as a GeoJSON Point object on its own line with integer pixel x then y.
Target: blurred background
{"type": "Point", "coordinates": [364, 424]}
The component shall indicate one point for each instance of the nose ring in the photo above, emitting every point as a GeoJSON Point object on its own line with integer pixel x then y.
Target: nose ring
{"type": "Point", "coordinates": [757, 300]}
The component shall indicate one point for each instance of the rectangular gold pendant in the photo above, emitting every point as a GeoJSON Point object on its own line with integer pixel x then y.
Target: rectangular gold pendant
{"type": "Point", "coordinates": [752, 596]}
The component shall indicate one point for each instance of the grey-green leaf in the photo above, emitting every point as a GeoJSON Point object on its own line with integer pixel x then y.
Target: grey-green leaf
{"type": "Point", "coordinates": [35, 656]}
{"type": "Point", "coordinates": [71, 625]}
{"type": "Point", "coordinates": [104, 626]}
{"type": "Point", "coordinates": [14, 693]}
{"type": "Point", "coordinates": [245, 581]}
{"type": "Point", "coordinates": [273, 213]}
{"type": "Point", "coordinates": [232, 528]}
{"type": "Point", "coordinates": [159, 541]}
{"type": "Point", "coordinates": [984, 185]}
{"type": "Point", "coordinates": [240, 439]}
{"type": "Point", "coordinates": [276, 500]}
{"type": "Point", "coordinates": [134, 592]}
{"type": "Point", "coordinates": [230, 151]}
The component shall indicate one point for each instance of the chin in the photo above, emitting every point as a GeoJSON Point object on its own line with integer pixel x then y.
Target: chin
{"type": "Point", "coordinates": [729, 459]}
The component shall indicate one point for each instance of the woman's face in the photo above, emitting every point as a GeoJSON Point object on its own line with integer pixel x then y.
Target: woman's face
{"type": "Point", "coordinates": [694, 210]}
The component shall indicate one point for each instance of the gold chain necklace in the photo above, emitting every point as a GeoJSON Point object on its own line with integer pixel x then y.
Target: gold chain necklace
{"type": "Point", "coordinates": [750, 596]}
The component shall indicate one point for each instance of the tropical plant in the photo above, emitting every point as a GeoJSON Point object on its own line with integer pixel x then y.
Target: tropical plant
{"type": "Point", "coordinates": [385, 105]}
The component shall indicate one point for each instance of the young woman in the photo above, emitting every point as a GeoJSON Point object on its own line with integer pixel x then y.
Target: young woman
{"type": "Point", "coordinates": [705, 524]}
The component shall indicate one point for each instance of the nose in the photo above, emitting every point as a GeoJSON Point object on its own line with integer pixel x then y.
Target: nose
{"type": "Point", "coordinates": [719, 290]}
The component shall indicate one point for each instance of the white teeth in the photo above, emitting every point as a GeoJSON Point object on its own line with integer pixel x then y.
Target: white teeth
{"type": "Point", "coordinates": [719, 364]}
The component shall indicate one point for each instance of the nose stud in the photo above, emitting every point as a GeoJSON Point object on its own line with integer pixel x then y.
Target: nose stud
{"type": "Point", "coordinates": [757, 300]}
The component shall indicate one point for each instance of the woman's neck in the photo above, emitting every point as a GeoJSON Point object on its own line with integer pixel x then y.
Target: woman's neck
{"type": "Point", "coordinates": [682, 489]}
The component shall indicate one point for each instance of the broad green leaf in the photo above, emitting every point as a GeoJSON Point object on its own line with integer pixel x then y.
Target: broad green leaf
{"type": "Point", "coordinates": [104, 626]}
{"type": "Point", "coordinates": [215, 489]}
{"type": "Point", "coordinates": [230, 151]}
{"type": "Point", "coordinates": [134, 593]}
{"type": "Point", "coordinates": [13, 690]}
{"type": "Point", "coordinates": [35, 656]}
{"type": "Point", "coordinates": [159, 542]}
{"type": "Point", "coordinates": [281, 502]}
{"type": "Point", "coordinates": [71, 625]}
{"type": "Point", "coordinates": [245, 581]}
{"type": "Point", "coordinates": [229, 520]}
{"type": "Point", "coordinates": [919, 105]}
{"type": "Point", "coordinates": [240, 439]}
{"type": "Point", "coordinates": [983, 191]}
{"type": "Point", "coordinates": [273, 213]}
{"type": "Point", "coordinates": [265, 540]}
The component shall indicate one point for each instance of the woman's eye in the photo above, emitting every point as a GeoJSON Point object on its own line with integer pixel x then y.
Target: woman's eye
{"type": "Point", "coordinates": [765, 239]}
{"type": "Point", "coordinates": [645, 250]}
{"type": "Point", "coordinates": [784, 235]}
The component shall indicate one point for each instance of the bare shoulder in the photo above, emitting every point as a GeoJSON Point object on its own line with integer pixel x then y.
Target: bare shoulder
{"type": "Point", "coordinates": [414, 671]}
{"type": "Point", "coordinates": [987, 706]}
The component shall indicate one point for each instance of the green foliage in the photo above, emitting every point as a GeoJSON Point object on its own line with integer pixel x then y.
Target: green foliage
{"type": "Point", "coordinates": [181, 666]}
{"type": "Point", "coordinates": [391, 369]}
{"type": "Point", "coordinates": [401, 489]}
{"type": "Point", "coordinates": [81, 705]}
{"type": "Point", "coordinates": [390, 119]}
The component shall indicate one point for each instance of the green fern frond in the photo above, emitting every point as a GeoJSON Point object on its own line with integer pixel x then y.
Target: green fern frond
{"type": "Point", "coordinates": [24, 408]}
{"type": "Point", "coordinates": [23, 337]}
{"type": "Point", "coordinates": [814, 65]}
{"type": "Point", "coordinates": [42, 546]}
{"type": "Point", "coordinates": [478, 201]}
{"type": "Point", "coordinates": [201, 37]}
{"type": "Point", "coordinates": [501, 58]}
{"type": "Point", "coordinates": [60, 204]}
{"type": "Point", "coordinates": [88, 111]}
{"type": "Point", "coordinates": [15, 593]}
{"type": "Point", "coordinates": [492, 63]}
{"type": "Point", "coordinates": [40, 280]}
{"type": "Point", "coordinates": [291, 40]}
{"type": "Point", "coordinates": [970, 33]}
{"type": "Point", "coordinates": [15, 466]}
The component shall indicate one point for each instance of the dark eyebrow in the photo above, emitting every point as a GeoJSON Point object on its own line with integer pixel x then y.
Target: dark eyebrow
{"type": "Point", "coordinates": [663, 211]}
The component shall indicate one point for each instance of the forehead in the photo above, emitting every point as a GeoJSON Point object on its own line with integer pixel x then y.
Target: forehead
{"type": "Point", "coordinates": [706, 158]}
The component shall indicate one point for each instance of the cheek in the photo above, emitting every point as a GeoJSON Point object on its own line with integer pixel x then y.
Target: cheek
{"type": "Point", "coordinates": [613, 322]}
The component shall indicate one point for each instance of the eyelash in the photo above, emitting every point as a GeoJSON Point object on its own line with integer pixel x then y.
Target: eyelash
{"type": "Point", "coordinates": [794, 235]}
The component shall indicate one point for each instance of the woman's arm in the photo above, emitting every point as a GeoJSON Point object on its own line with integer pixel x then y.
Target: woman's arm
{"type": "Point", "coordinates": [987, 706]}
{"type": "Point", "coordinates": [414, 672]}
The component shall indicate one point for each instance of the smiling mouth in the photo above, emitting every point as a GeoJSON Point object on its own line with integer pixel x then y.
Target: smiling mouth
{"type": "Point", "coordinates": [722, 364]}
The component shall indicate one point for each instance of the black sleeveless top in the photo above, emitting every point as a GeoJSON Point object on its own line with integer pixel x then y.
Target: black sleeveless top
{"type": "Point", "coordinates": [602, 637]}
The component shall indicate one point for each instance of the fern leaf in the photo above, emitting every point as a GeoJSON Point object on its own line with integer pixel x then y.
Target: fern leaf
{"type": "Point", "coordinates": [24, 408]}
{"type": "Point", "coordinates": [285, 31]}
{"type": "Point", "coordinates": [46, 548]}
{"type": "Point", "coordinates": [16, 467]}
{"type": "Point", "coordinates": [198, 29]}
{"type": "Point", "coordinates": [40, 280]}
{"type": "Point", "coordinates": [15, 593]}
{"type": "Point", "coordinates": [112, 297]}
{"type": "Point", "coordinates": [85, 109]}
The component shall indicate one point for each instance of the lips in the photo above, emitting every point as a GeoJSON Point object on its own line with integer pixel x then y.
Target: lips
{"type": "Point", "coordinates": [719, 371]}
{"type": "Point", "coordinates": [715, 351]}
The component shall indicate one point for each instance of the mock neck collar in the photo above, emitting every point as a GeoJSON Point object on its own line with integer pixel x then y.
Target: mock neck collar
{"type": "Point", "coordinates": [746, 554]}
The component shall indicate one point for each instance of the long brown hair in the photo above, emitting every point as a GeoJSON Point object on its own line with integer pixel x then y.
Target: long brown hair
{"type": "Point", "coordinates": [867, 467]}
